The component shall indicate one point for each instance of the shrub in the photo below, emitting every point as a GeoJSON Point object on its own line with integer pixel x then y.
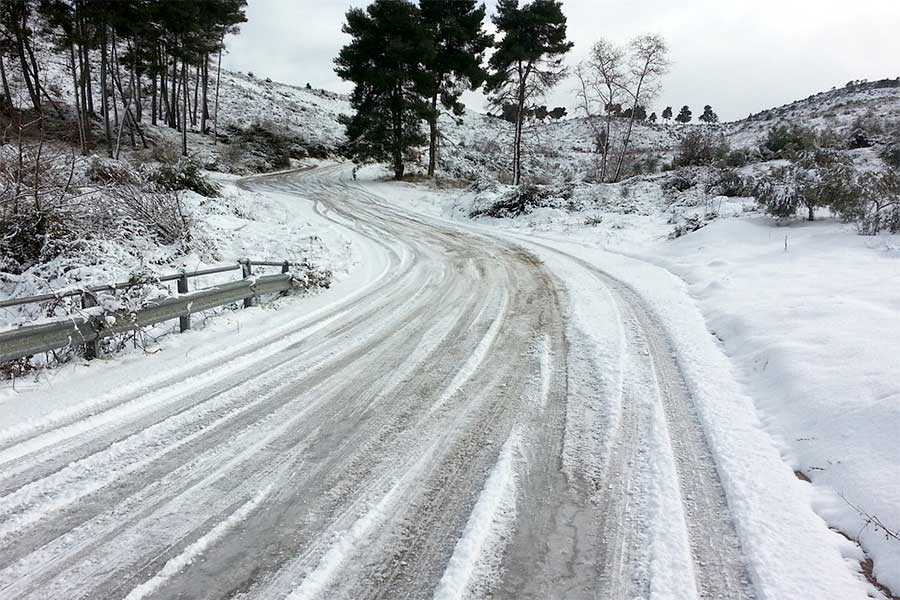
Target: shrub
{"type": "Point", "coordinates": [890, 153]}
{"type": "Point", "coordinates": [876, 206]}
{"type": "Point", "coordinates": [788, 142]}
{"type": "Point", "coordinates": [165, 152]}
{"type": "Point", "coordinates": [183, 175]}
{"type": "Point", "coordinates": [700, 149]}
{"type": "Point", "coordinates": [161, 213]}
{"type": "Point", "coordinates": [824, 178]}
{"type": "Point", "coordinates": [29, 236]}
{"type": "Point", "coordinates": [263, 147]}
{"type": "Point", "coordinates": [737, 158]}
{"type": "Point", "coordinates": [730, 183]}
{"type": "Point", "coordinates": [109, 171]}
{"type": "Point", "coordinates": [678, 183]}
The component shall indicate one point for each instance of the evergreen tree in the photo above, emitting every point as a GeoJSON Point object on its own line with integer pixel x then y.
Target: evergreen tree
{"type": "Point", "coordinates": [527, 60]}
{"type": "Point", "coordinates": [667, 114]}
{"type": "Point", "coordinates": [384, 61]}
{"type": "Point", "coordinates": [640, 113]}
{"type": "Point", "coordinates": [653, 117]}
{"type": "Point", "coordinates": [708, 115]}
{"type": "Point", "coordinates": [455, 28]}
{"type": "Point", "coordinates": [685, 115]}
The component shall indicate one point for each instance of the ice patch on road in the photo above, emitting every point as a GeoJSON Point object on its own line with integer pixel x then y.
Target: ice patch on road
{"type": "Point", "coordinates": [192, 552]}
{"type": "Point", "coordinates": [479, 551]}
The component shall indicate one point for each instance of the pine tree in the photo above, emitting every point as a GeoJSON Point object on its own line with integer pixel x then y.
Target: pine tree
{"type": "Point", "coordinates": [527, 60]}
{"type": "Point", "coordinates": [384, 62]}
{"type": "Point", "coordinates": [456, 32]}
{"type": "Point", "coordinates": [653, 117]}
{"type": "Point", "coordinates": [667, 114]}
{"type": "Point", "coordinates": [708, 115]}
{"type": "Point", "coordinates": [685, 115]}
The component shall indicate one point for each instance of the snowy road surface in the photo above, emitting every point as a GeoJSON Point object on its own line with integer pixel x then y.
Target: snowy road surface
{"type": "Point", "coordinates": [456, 427]}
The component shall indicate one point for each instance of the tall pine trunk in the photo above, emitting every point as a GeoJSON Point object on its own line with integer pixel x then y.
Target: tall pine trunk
{"type": "Point", "coordinates": [153, 80]}
{"type": "Point", "coordinates": [33, 90]}
{"type": "Point", "coordinates": [104, 100]}
{"type": "Point", "coordinates": [204, 112]}
{"type": "Point", "coordinates": [173, 105]}
{"type": "Point", "coordinates": [517, 142]}
{"type": "Point", "coordinates": [77, 96]}
{"type": "Point", "coordinates": [7, 96]}
{"type": "Point", "coordinates": [432, 135]}
{"type": "Point", "coordinates": [184, 118]}
{"type": "Point", "coordinates": [216, 106]}
{"type": "Point", "coordinates": [397, 142]}
{"type": "Point", "coordinates": [196, 95]}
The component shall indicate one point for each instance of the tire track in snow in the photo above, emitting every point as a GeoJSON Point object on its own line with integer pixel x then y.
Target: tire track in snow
{"type": "Point", "coordinates": [476, 558]}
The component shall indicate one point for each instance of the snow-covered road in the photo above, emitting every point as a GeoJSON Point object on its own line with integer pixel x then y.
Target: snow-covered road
{"type": "Point", "coordinates": [477, 415]}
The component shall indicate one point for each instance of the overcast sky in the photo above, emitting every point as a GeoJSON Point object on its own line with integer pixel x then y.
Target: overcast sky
{"type": "Point", "coordinates": [740, 56]}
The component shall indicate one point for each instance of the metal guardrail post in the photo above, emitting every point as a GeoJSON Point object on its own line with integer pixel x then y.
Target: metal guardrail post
{"type": "Point", "coordinates": [247, 270]}
{"type": "Point", "coordinates": [184, 322]}
{"type": "Point", "coordinates": [91, 348]}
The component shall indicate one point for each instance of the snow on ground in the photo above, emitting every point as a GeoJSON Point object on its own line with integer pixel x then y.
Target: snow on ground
{"type": "Point", "coordinates": [807, 315]}
{"type": "Point", "coordinates": [240, 224]}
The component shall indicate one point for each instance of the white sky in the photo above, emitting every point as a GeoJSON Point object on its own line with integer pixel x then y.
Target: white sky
{"type": "Point", "coordinates": [740, 56]}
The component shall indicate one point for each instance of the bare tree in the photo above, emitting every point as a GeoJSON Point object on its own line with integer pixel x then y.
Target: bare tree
{"type": "Point", "coordinates": [602, 78]}
{"type": "Point", "coordinates": [648, 64]}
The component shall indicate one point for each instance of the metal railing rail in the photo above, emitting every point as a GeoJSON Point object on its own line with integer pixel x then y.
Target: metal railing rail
{"type": "Point", "coordinates": [90, 329]}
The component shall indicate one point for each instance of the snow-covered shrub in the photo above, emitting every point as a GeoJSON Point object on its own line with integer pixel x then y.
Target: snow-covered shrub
{"type": "Point", "coordinates": [264, 146]}
{"type": "Point", "coordinates": [521, 200]}
{"type": "Point", "coordinates": [182, 175]}
{"type": "Point", "coordinates": [890, 153]}
{"type": "Point", "coordinates": [788, 141]}
{"type": "Point", "coordinates": [699, 148]}
{"type": "Point", "coordinates": [691, 224]}
{"type": "Point", "coordinates": [162, 213]}
{"type": "Point", "coordinates": [38, 209]}
{"type": "Point", "coordinates": [876, 205]}
{"type": "Point", "coordinates": [679, 183]}
{"type": "Point", "coordinates": [824, 178]}
{"type": "Point", "coordinates": [109, 171]}
{"type": "Point", "coordinates": [730, 183]}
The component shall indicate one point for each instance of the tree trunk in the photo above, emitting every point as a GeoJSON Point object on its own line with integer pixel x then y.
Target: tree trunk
{"type": "Point", "coordinates": [520, 120]}
{"type": "Point", "coordinates": [104, 100]}
{"type": "Point", "coordinates": [627, 140]}
{"type": "Point", "coordinates": [75, 86]}
{"type": "Point", "coordinates": [33, 92]}
{"type": "Point", "coordinates": [82, 84]}
{"type": "Point", "coordinates": [184, 118]}
{"type": "Point", "coordinates": [196, 95]}
{"type": "Point", "coordinates": [138, 92]}
{"type": "Point", "coordinates": [155, 75]}
{"type": "Point", "coordinates": [88, 82]}
{"type": "Point", "coordinates": [397, 145]}
{"type": "Point", "coordinates": [84, 60]}
{"type": "Point", "coordinates": [811, 208]}
{"type": "Point", "coordinates": [173, 105]}
{"type": "Point", "coordinates": [164, 87]}
{"type": "Point", "coordinates": [204, 112]}
{"type": "Point", "coordinates": [7, 96]}
{"type": "Point", "coordinates": [216, 107]}
{"type": "Point", "coordinates": [432, 136]}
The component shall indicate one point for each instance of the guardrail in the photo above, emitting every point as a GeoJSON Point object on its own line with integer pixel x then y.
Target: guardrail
{"type": "Point", "coordinates": [90, 329]}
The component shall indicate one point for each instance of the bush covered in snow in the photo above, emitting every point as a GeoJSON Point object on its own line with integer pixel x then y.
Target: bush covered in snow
{"type": "Point", "coordinates": [789, 142]}
{"type": "Point", "coordinates": [875, 207]}
{"type": "Point", "coordinates": [263, 146]}
{"type": "Point", "coordinates": [701, 148]}
{"type": "Point", "coordinates": [824, 178]}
